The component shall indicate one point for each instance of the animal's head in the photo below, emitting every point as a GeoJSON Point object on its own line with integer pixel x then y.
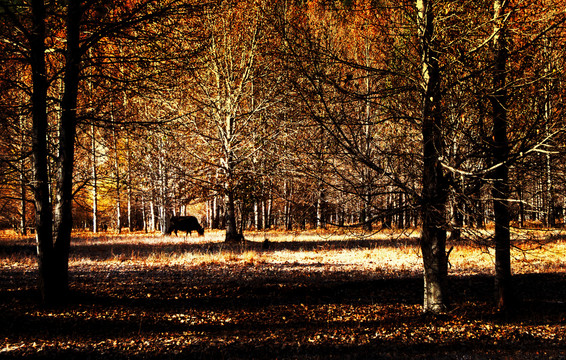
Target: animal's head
{"type": "Point", "coordinates": [200, 231]}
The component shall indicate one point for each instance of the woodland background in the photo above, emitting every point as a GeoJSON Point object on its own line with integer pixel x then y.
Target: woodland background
{"type": "Point", "coordinates": [295, 114]}
{"type": "Point", "coordinates": [307, 112]}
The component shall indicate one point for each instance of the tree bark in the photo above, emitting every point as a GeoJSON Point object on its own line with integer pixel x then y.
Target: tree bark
{"type": "Point", "coordinates": [229, 167]}
{"type": "Point", "coordinates": [152, 211]}
{"type": "Point", "coordinates": [500, 154]}
{"type": "Point", "coordinates": [53, 230]}
{"type": "Point", "coordinates": [215, 217]}
{"type": "Point", "coordinates": [129, 185]}
{"type": "Point", "coordinates": [164, 202]}
{"type": "Point", "coordinates": [287, 190]}
{"type": "Point", "coordinates": [230, 208]}
{"type": "Point", "coordinates": [434, 191]}
{"type": "Point", "coordinates": [42, 196]}
{"type": "Point", "coordinates": [117, 169]}
{"type": "Point", "coordinates": [94, 184]}
{"type": "Point", "coordinates": [144, 215]}
{"type": "Point", "coordinates": [230, 217]}
{"type": "Point", "coordinates": [63, 220]}
{"type": "Point", "coordinates": [23, 187]}
{"type": "Point", "coordinates": [267, 211]}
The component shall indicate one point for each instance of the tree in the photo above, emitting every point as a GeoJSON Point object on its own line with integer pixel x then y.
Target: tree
{"type": "Point", "coordinates": [49, 286]}
{"type": "Point", "coordinates": [15, 126]}
{"type": "Point", "coordinates": [233, 89]}
{"type": "Point", "coordinates": [500, 153]}
{"type": "Point", "coordinates": [323, 53]}
{"type": "Point", "coordinates": [434, 189]}
{"type": "Point", "coordinates": [37, 26]}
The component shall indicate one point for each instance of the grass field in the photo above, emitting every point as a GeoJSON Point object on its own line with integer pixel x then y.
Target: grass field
{"type": "Point", "coordinates": [310, 295]}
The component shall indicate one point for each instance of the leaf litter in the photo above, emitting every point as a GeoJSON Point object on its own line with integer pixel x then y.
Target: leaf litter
{"type": "Point", "coordinates": [138, 297]}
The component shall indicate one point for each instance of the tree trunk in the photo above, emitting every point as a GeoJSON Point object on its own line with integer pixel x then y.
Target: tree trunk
{"type": "Point", "coordinates": [230, 217]}
{"type": "Point", "coordinates": [318, 211]}
{"type": "Point", "coordinates": [258, 219]}
{"type": "Point", "coordinates": [164, 205]}
{"type": "Point", "coordinates": [457, 219]}
{"type": "Point", "coordinates": [550, 219]}
{"type": "Point", "coordinates": [400, 211]}
{"type": "Point", "coordinates": [521, 205]}
{"type": "Point", "coordinates": [152, 211]}
{"type": "Point", "coordinates": [63, 220]}
{"type": "Point", "coordinates": [42, 197]}
{"type": "Point", "coordinates": [129, 188]}
{"type": "Point", "coordinates": [117, 169]}
{"type": "Point", "coordinates": [94, 184]}
{"type": "Point", "coordinates": [500, 153]}
{"type": "Point", "coordinates": [229, 167]}
{"type": "Point", "coordinates": [144, 215]}
{"type": "Point", "coordinates": [23, 190]}
{"type": "Point", "coordinates": [53, 233]}
{"type": "Point", "coordinates": [287, 210]}
{"type": "Point", "coordinates": [215, 221]}
{"type": "Point", "coordinates": [267, 210]}
{"type": "Point", "coordinates": [433, 239]}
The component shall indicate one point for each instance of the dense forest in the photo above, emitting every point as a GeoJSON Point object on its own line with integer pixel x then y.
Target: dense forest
{"type": "Point", "coordinates": [439, 115]}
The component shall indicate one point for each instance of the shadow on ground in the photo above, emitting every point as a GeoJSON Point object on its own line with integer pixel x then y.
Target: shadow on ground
{"type": "Point", "coordinates": [244, 312]}
{"type": "Point", "coordinates": [107, 249]}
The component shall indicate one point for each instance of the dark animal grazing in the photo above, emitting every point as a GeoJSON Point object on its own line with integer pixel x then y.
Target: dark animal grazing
{"type": "Point", "coordinates": [184, 223]}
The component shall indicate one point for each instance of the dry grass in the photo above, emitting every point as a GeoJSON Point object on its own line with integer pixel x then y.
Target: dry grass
{"type": "Point", "coordinates": [382, 253]}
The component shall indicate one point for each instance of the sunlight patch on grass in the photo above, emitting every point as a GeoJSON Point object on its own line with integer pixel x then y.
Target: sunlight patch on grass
{"type": "Point", "coordinates": [386, 253]}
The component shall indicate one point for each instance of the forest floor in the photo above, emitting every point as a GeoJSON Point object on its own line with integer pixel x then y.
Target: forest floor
{"type": "Point", "coordinates": [309, 296]}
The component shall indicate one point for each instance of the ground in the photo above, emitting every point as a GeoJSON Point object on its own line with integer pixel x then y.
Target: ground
{"type": "Point", "coordinates": [308, 296]}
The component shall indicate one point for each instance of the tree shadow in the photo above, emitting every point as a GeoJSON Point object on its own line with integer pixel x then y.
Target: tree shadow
{"type": "Point", "coordinates": [271, 313]}
{"type": "Point", "coordinates": [285, 310]}
{"type": "Point", "coordinates": [108, 250]}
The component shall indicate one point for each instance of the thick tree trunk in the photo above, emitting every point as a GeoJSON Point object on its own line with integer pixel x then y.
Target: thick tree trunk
{"type": "Point", "coordinates": [433, 239]}
{"type": "Point", "coordinates": [63, 220]}
{"type": "Point", "coordinates": [500, 153]}
{"type": "Point", "coordinates": [53, 232]}
{"type": "Point", "coordinates": [42, 197]}
{"type": "Point", "coordinates": [228, 164]}
{"type": "Point", "coordinates": [230, 217]}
